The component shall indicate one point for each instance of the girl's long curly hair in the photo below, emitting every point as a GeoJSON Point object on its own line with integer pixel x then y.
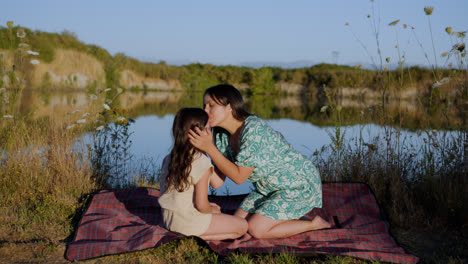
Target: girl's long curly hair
{"type": "Point", "coordinates": [182, 152]}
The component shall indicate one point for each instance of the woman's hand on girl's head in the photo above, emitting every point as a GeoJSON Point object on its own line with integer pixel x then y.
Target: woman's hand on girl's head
{"type": "Point", "coordinates": [201, 139]}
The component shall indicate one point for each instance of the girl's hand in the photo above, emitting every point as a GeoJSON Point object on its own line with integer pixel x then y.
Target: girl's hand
{"type": "Point", "coordinates": [202, 140]}
{"type": "Point", "coordinates": [215, 209]}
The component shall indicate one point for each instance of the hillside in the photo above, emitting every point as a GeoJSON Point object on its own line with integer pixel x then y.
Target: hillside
{"type": "Point", "coordinates": [66, 62]}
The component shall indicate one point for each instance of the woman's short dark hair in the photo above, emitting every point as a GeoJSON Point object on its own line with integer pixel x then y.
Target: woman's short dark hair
{"type": "Point", "coordinates": [224, 94]}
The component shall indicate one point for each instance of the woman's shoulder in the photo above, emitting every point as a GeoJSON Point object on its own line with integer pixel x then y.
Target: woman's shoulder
{"type": "Point", "coordinates": [253, 124]}
{"type": "Point", "coordinates": [253, 120]}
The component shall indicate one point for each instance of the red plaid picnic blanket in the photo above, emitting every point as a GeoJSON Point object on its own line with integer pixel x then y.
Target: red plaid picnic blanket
{"type": "Point", "coordinates": [119, 221]}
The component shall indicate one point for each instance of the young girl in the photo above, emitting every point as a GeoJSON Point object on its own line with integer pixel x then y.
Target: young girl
{"type": "Point", "coordinates": [185, 176]}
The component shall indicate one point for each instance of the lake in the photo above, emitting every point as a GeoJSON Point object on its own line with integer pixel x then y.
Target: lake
{"type": "Point", "coordinates": [302, 121]}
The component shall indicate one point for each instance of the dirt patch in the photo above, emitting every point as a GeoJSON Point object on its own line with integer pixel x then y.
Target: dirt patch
{"type": "Point", "coordinates": [433, 247]}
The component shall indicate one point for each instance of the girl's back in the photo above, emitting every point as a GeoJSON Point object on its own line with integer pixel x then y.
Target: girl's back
{"type": "Point", "coordinates": [179, 213]}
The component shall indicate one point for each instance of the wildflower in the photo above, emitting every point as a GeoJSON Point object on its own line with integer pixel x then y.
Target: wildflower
{"type": "Point", "coordinates": [8, 116]}
{"type": "Point", "coordinates": [93, 97]}
{"type": "Point", "coordinates": [81, 121]}
{"type": "Point", "coordinates": [448, 30]}
{"type": "Point", "coordinates": [9, 24]}
{"type": "Point", "coordinates": [35, 62]}
{"type": "Point", "coordinates": [106, 107]}
{"type": "Point", "coordinates": [85, 114]}
{"type": "Point", "coordinates": [70, 126]}
{"type": "Point", "coordinates": [32, 52]}
{"type": "Point", "coordinates": [405, 26]}
{"type": "Point", "coordinates": [396, 46]}
{"type": "Point", "coordinates": [21, 33]}
{"type": "Point", "coordinates": [323, 109]}
{"type": "Point", "coordinates": [346, 24]}
{"type": "Point", "coordinates": [393, 23]}
{"type": "Point", "coordinates": [122, 120]}
{"type": "Point", "coordinates": [99, 128]}
{"type": "Point", "coordinates": [23, 45]}
{"type": "Point", "coordinates": [108, 101]}
{"type": "Point", "coordinates": [107, 90]}
{"type": "Point", "coordinates": [459, 34]}
{"type": "Point", "coordinates": [463, 55]}
{"type": "Point", "coordinates": [412, 28]}
{"type": "Point", "coordinates": [76, 111]}
{"type": "Point", "coordinates": [368, 16]}
{"type": "Point", "coordinates": [428, 10]}
{"type": "Point", "coordinates": [445, 54]}
{"type": "Point", "coordinates": [358, 66]}
{"type": "Point", "coordinates": [387, 59]}
{"type": "Point", "coordinates": [460, 47]}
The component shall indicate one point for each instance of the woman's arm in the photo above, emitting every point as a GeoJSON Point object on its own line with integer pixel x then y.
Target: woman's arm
{"type": "Point", "coordinates": [203, 140]}
{"type": "Point", "coordinates": [200, 199]}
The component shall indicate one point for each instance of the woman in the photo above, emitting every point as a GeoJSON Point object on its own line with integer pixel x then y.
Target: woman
{"type": "Point", "coordinates": [287, 184]}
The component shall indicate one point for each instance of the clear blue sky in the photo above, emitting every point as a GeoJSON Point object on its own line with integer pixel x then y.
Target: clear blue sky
{"type": "Point", "coordinates": [245, 31]}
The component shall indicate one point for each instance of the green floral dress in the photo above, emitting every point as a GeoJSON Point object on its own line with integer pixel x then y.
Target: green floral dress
{"type": "Point", "coordinates": [287, 184]}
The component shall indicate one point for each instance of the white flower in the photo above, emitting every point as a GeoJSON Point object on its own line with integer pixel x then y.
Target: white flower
{"type": "Point", "coordinates": [121, 119]}
{"type": "Point", "coordinates": [99, 128]}
{"type": "Point", "coordinates": [85, 114]}
{"type": "Point", "coordinates": [8, 116]}
{"type": "Point", "coordinates": [76, 111]}
{"type": "Point", "coordinates": [81, 121]}
{"type": "Point", "coordinates": [323, 109]}
{"type": "Point", "coordinates": [106, 107]}
{"type": "Point", "coordinates": [108, 89]}
{"type": "Point", "coordinates": [108, 101]}
{"type": "Point", "coordinates": [23, 45]}
{"type": "Point", "coordinates": [93, 97]}
{"type": "Point", "coordinates": [32, 52]}
{"type": "Point", "coordinates": [35, 62]}
{"type": "Point", "coordinates": [70, 126]}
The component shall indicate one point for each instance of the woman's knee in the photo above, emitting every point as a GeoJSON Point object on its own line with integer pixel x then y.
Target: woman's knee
{"type": "Point", "coordinates": [258, 228]}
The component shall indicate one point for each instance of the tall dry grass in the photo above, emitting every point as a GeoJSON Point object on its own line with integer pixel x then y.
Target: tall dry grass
{"type": "Point", "coordinates": [42, 180]}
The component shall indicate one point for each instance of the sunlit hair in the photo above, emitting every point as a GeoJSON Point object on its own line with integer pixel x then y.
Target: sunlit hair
{"type": "Point", "coordinates": [182, 152]}
{"type": "Point", "coordinates": [224, 94]}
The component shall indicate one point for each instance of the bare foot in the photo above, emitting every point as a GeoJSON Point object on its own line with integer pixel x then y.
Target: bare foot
{"type": "Point", "coordinates": [319, 223]}
{"type": "Point", "coordinates": [245, 237]}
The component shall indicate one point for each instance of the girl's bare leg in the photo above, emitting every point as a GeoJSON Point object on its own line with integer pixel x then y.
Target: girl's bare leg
{"type": "Point", "coordinates": [263, 227]}
{"type": "Point", "coordinates": [223, 226]}
{"type": "Point", "coordinates": [241, 213]}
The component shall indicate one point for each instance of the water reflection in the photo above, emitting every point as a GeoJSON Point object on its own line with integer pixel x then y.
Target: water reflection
{"type": "Point", "coordinates": [410, 113]}
{"type": "Point", "coordinates": [298, 118]}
